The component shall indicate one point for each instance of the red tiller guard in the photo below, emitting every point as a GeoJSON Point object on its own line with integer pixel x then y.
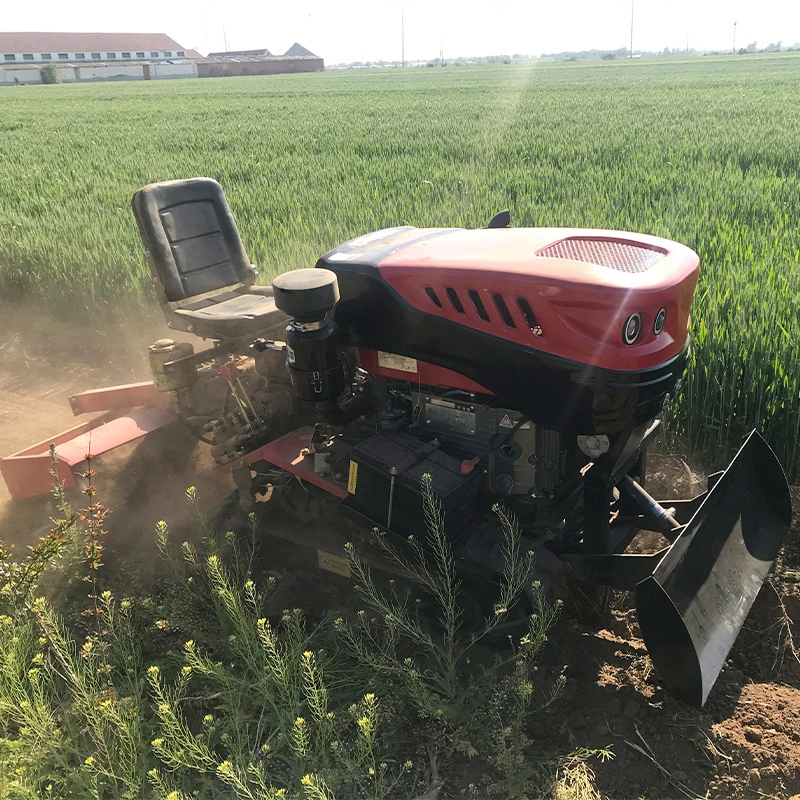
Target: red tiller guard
{"type": "Point", "coordinates": [131, 411]}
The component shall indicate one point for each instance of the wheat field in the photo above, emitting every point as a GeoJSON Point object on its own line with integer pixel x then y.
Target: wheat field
{"type": "Point", "coordinates": [705, 151]}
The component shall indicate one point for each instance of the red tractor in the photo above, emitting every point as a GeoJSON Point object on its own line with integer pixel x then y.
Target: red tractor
{"type": "Point", "coordinates": [525, 366]}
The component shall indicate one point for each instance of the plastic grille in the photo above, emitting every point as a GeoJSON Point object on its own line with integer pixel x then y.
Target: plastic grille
{"type": "Point", "coordinates": [622, 256]}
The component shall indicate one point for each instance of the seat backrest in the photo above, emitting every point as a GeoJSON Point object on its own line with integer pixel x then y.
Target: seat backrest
{"type": "Point", "coordinates": [191, 239]}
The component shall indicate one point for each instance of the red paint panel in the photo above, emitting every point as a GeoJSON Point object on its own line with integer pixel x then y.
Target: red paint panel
{"type": "Point", "coordinates": [426, 374]}
{"type": "Point", "coordinates": [27, 476]}
{"type": "Point", "coordinates": [128, 395]}
{"type": "Point", "coordinates": [286, 453]}
{"type": "Point", "coordinates": [27, 472]}
{"type": "Point", "coordinates": [114, 433]}
{"type": "Point", "coordinates": [487, 280]}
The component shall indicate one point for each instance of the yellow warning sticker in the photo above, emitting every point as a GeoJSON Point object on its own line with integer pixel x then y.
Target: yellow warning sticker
{"type": "Point", "coordinates": [333, 563]}
{"type": "Point", "coordinates": [352, 478]}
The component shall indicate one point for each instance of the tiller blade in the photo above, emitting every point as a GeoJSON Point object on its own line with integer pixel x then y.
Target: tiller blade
{"type": "Point", "coordinates": [694, 604]}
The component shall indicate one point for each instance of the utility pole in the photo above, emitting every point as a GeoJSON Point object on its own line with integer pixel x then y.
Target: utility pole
{"type": "Point", "coordinates": [225, 38]}
{"type": "Point", "coordinates": [734, 38]}
{"type": "Point", "coordinates": [441, 51]}
{"type": "Point", "coordinates": [630, 54]}
{"type": "Point", "coordinates": [403, 37]}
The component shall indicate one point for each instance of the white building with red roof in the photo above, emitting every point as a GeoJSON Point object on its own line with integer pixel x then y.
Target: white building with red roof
{"type": "Point", "coordinates": [72, 48]}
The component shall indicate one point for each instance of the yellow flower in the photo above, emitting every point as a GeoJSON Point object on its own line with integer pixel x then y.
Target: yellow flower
{"type": "Point", "coordinates": [306, 780]}
{"type": "Point", "coordinates": [89, 761]}
{"type": "Point", "coordinates": [152, 670]}
{"type": "Point", "coordinates": [157, 742]}
{"type": "Point", "coordinates": [371, 770]}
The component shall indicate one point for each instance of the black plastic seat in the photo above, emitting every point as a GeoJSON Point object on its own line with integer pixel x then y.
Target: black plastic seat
{"type": "Point", "coordinates": [196, 256]}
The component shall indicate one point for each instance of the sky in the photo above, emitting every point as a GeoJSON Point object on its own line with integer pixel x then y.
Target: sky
{"type": "Point", "coordinates": [370, 30]}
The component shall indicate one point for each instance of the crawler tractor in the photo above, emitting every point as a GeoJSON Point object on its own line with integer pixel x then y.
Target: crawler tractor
{"type": "Point", "coordinates": [526, 366]}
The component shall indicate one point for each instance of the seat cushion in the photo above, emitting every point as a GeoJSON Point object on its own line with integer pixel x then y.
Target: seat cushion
{"type": "Point", "coordinates": [231, 315]}
{"type": "Point", "coordinates": [191, 239]}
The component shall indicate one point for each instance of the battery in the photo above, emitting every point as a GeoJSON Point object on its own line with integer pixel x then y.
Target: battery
{"type": "Point", "coordinates": [370, 485]}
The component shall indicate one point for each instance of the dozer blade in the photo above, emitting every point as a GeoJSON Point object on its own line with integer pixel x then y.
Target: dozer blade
{"type": "Point", "coordinates": [694, 604]}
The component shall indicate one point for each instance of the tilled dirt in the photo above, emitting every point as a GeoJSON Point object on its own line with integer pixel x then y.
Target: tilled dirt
{"type": "Point", "coordinates": [745, 743]}
{"type": "Point", "coordinates": [746, 740]}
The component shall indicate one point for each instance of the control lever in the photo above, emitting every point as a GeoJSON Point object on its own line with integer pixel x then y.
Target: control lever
{"type": "Point", "coordinates": [260, 345]}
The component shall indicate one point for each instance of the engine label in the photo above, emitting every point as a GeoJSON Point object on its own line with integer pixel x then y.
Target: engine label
{"type": "Point", "coordinates": [352, 477]}
{"type": "Point", "coordinates": [400, 363]}
{"type": "Point", "coordinates": [442, 415]}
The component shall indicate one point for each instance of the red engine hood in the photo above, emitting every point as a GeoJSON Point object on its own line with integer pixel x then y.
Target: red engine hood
{"type": "Point", "coordinates": [564, 291]}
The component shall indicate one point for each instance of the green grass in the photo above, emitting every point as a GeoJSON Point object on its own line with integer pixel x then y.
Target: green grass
{"type": "Point", "coordinates": [704, 151]}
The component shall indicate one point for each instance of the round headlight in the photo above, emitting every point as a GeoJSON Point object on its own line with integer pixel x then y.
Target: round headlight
{"type": "Point", "coordinates": [661, 318]}
{"type": "Point", "coordinates": [632, 329]}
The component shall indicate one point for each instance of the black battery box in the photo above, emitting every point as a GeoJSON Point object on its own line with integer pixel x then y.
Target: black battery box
{"type": "Point", "coordinates": [369, 485]}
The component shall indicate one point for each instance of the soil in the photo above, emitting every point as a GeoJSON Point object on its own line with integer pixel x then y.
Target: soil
{"type": "Point", "coordinates": [745, 743]}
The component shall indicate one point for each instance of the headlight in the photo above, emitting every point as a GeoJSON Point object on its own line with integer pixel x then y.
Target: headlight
{"type": "Point", "coordinates": [632, 329]}
{"type": "Point", "coordinates": [661, 318]}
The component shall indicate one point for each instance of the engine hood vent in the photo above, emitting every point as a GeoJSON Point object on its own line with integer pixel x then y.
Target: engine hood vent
{"type": "Point", "coordinates": [612, 253]}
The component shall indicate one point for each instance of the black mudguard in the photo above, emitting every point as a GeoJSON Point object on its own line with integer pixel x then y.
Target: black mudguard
{"type": "Point", "coordinates": [694, 604]}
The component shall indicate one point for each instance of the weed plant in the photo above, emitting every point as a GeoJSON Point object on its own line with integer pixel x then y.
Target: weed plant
{"type": "Point", "coordinates": [262, 705]}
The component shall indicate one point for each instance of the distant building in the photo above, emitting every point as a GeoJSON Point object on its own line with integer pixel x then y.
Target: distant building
{"type": "Point", "coordinates": [233, 63]}
{"type": "Point", "coordinates": [298, 50]}
{"type": "Point", "coordinates": [240, 54]}
{"type": "Point", "coordinates": [295, 50]}
{"type": "Point", "coordinates": [258, 65]}
{"type": "Point", "coordinates": [39, 48]}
